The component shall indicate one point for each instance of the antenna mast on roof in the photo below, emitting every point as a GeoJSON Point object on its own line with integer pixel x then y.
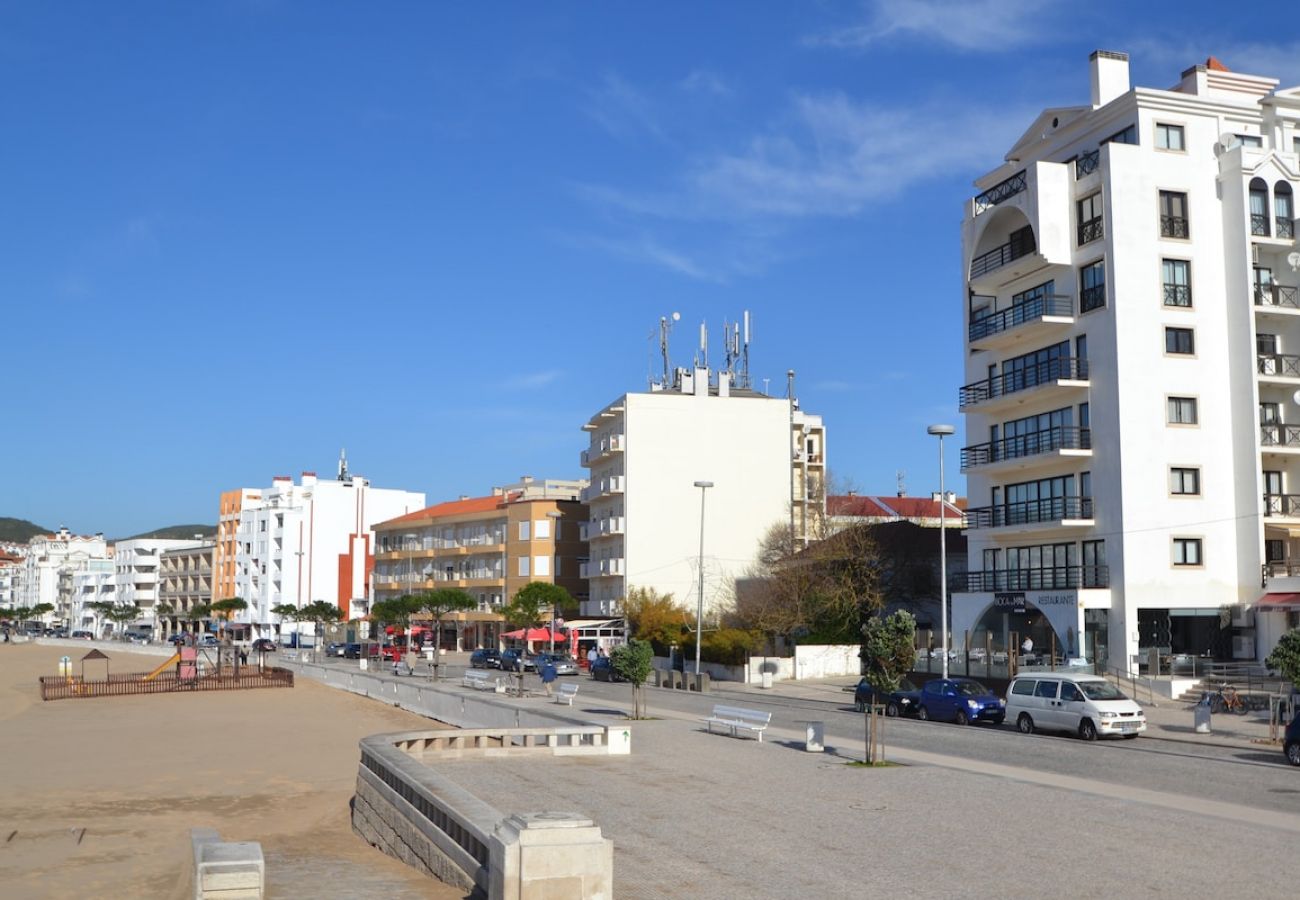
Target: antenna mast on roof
{"type": "Point", "coordinates": [901, 475]}
{"type": "Point", "coordinates": [665, 326]}
{"type": "Point", "coordinates": [702, 361]}
{"type": "Point", "coordinates": [343, 467]}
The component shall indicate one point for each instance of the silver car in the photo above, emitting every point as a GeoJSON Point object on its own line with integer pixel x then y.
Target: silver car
{"type": "Point", "coordinates": [564, 665]}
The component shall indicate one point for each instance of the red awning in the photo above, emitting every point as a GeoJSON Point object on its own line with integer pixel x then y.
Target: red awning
{"type": "Point", "coordinates": [534, 634]}
{"type": "Point", "coordinates": [1278, 601]}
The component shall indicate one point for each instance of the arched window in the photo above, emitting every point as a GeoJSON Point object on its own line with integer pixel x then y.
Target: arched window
{"type": "Point", "coordinates": [1259, 207]}
{"type": "Point", "coordinates": [1283, 211]}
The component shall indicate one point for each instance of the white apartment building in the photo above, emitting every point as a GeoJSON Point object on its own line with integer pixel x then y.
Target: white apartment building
{"type": "Point", "coordinates": [1131, 396]}
{"type": "Point", "coordinates": [97, 583]}
{"type": "Point", "coordinates": [297, 543]}
{"type": "Point", "coordinates": [766, 460]}
{"type": "Point", "coordinates": [48, 568]}
{"type": "Point", "coordinates": [137, 568]}
{"type": "Point", "coordinates": [11, 569]}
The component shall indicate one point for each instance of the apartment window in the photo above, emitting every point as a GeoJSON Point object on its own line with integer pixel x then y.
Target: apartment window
{"type": "Point", "coordinates": [1092, 286]}
{"type": "Point", "coordinates": [1177, 275]}
{"type": "Point", "coordinates": [1182, 410]}
{"type": "Point", "coordinates": [1259, 207]}
{"type": "Point", "coordinates": [1184, 482]}
{"type": "Point", "coordinates": [523, 567]}
{"type": "Point", "coordinates": [542, 529]}
{"type": "Point", "coordinates": [1250, 140]}
{"type": "Point", "coordinates": [1127, 135]}
{"type": "Point", "coordinates": [1283, 210]}
{"type": "Point", "coordinates": [541, 566]}
{"type": "Point", "coordinates": [1089, 221]}
{"type": "Point", "coordinates": [524, 528]}
{"type": "Point", "coordinates": [1187, 551]}
{"type": "Point", "coordinates": [1170, 137]}
{"type": "Point", "coordinates": [1173, 214]}
{"type": "Point", "coordinates": [1180, 340]}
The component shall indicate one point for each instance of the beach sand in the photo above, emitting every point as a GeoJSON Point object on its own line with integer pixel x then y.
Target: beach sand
{"type": "Point", "coordinates": [136, 773]}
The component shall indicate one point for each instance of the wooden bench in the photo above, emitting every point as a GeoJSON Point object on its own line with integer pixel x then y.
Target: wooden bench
{"type": "Point", "coordinates": [735, 718]}
{"type": "Point", "coordinates": [566, 693]}
{"type": "Point", "coordinates": [480, 680]}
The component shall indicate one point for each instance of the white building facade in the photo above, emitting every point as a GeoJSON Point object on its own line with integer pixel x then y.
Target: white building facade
{"type": "Point", "coordinates": [97, 583]}
{"type": "Point", "coordinates": [766, 461]}
{"type": "Point", "coordinates": [49, 566]}
{"type": "Point", "coordinates": [1131, 319]}
{"type": "Point", "coordinates": [137, 568]}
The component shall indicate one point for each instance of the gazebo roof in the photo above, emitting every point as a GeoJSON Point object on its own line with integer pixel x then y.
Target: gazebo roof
{"type": "Point", "coordinates": [94, 654]}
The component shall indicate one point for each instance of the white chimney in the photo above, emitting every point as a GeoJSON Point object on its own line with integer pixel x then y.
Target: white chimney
{"type": "Point", "coordinates": [1109, 76]}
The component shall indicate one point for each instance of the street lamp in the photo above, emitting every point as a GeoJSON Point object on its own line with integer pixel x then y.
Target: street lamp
{"type": "Point", "coordinates": [556, 516]}
{"type": "Point", "coordinates": [699, 608]}
{"type": "Point", "coordinates": [942, 431]}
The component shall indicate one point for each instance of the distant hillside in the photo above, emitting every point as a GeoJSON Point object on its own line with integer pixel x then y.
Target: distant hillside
{"type": "Point", "coordinates": [176, 533]}
{"type": "Point", "coordinates": [19, 531]}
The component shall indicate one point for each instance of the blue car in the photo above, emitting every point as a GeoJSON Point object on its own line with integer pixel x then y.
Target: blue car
{"type": "Point", "coordinates": [960, 700]}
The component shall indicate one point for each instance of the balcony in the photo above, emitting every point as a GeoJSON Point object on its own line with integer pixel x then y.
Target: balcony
{"type": "Point", "coordinates": [1033, 515]}
{"type": "Point", "coordinates": [612, 484]}
{"type": "Point", "coordinates": [1277, 296]}
{"type": "Point", "coordinates": [1049, 578]}
{"type": "Point", "coordinates": [1001, 191]}
{"type": "Point", "coordinates": [602, 450]}
{"type": "Point", "coordinates": [1022, 322]}
{"type": "Point", "coordinates": [1086, 164]}
{"type": "Point", "coordinates": [1017, 452]}
{"type": "Point", "coordinates": [1284, 228]}
{"type": "Point", "coordinates": [1020, 244]}
{"type": "Point", "coordinates": [1277, 435]}
{"type": "Point", "coordinates": [1173, 226]}
{"type": "Point", "coordinates": [611, 566]}
{"type": "Point", "coordinates": [1259, 225]}
{"type": "Point", "coordinates": [1282, 506]}
{"type": "Point", "coordinates": [1278, 365]}
{"type": "Point", "coordinates": [598, 568]}
{"type": "Point", "coordinates": [607, 526]}
{"type": "Point", "coordinates": [1063, 371]}
{"type": "Point", "coordinates": [584, 531]}
{"type": "Point", "coordinates": [1091, 230]}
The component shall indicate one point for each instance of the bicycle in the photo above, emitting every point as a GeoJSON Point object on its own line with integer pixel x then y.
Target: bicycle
{"type": "Point", "coordinates": [1226, 700]}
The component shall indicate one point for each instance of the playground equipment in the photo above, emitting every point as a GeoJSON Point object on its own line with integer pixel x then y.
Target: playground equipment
{"type": "Point", "coordinates": [222, 669]}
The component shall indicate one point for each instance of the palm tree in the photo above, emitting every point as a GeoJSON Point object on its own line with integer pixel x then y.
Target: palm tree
{"type": "Point", "coordinates": [438, 604]}
{"type": "Point", "coordinates": [287, 612]}
{"type": "Point", "coordinates": [226, 609]}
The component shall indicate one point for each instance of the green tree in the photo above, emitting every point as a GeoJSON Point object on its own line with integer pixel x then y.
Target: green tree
{"type": "Point", "coordinates": [320, 614]}
{"type": "Point", "coordinates": [226, 609]}
{"type": "Point", "coordinates": [122, 613]}
{"type": "Point", "coordinates": [632, 662]}
{"type": "Point", "coordinates": [287, 612]}
{"type": "Point", "coordinates": [439, 604]}
{"type": "Point", "coordinates": [656, 618]}
{"type": "Point", "coordinates": [542, 601]}
{"type": "Point", "coordinates": [197, 614]}
{"type": "Point", "coordinates": [101, 609]}
{"type": "Point", "coordinates": [888, 653]}
{"type": "Point", "coordinates": [1285, 657]}
{"type": "Point", "coordinates": [528, 606]}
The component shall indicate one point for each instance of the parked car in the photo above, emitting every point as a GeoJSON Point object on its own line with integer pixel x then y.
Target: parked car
{"type": "Point", "coordinates": [335, 648]}
{"type": "Point", "coordinates": [518, 661]}
{"type": "Point", "coordinates": [352, 650]}
{"type": "Point", "coordinates": [603, 670]}
{"type": "Point", "coordinates": [207, 640]}
{"type": "Point", "coordinates": [564, 664]}
{"type": "Point", "coordinates": [903, 702]}
{"type": "Point", "coordinates": [485, 659]}
{"type": "Point", "coordinates": [1086, 705]}
{"type": "Point", "coordinates": [1291, 741]}
{"type": "Point", "coordinates": [263, 645]}
{"type": "Point", "coordinates": [83, 635]}
{"type": "Point", "coordinates": [960, 700]}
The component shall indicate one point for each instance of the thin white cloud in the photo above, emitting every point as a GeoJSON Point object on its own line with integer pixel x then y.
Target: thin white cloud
{"type": "Point", "coordinates": [702, 81]}
{"type": "Point", "coordinates": [623, 110]}
{"type": "Point", "coordinates": [1273, 60]}
{"type": "Point", "coordinates": [531, 381]}
{"type": "Point", "coordinates": [646, 249]}
{"type": "Point", "coordinates": [985, 25]}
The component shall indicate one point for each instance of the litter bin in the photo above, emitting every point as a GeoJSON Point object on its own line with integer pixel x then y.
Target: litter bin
{"type": "Point", "coordinates": [1201, 715]}
{"type": "Point", "coordinates": [814, 732]}
{"type": "Point", "coordinates": [767, 679]}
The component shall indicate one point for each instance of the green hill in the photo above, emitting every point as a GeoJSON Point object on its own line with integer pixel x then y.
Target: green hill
{"type": "Point", "coordinates": [176, 533]}
{"type": "Point", "coordinates": [19, 531]}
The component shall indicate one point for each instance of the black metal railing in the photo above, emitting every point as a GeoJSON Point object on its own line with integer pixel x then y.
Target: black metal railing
{"type": "Point", "coordinates": [1281, 364]}
{"type": "Point", "coordinates": [1259, 224]}
{"type": "Point", "coordinates": [1090, 231]}
{"type": "Point", "coordinates": [1285, 228]}
{"type": "Point", "coordinates": [1049, 440]}
{"type": "Point", "coordinates": [1178, 295]}
{"type": "Point", "coordinates": [1279, 435]}
{"type": "Point", "coordinates": [1020, 244]}
{"type": "Point", "coordinates": [1280, 569]}
{"type": "Point", "coordinates": [1001, 191]}
{"type": "Point", "coordinates": [1276, 295]}
{"type": "Point", "coordinates": [1046, 578]}
{"type": "Point", "coordinates": [1173, 226]}
{"type": "Point", "coordinates": [1029, 512]}
{"type": "Point", "coordinates": [1020, 313]}
{"type": "Point", "coordinates": [1092, 298]}
{"type": "Point", "coordinates": [1086, 164]}
{"type": "Point", "coordinates": [1282, 505]}
{"type": "Point", "coordinates": [1045, 372]}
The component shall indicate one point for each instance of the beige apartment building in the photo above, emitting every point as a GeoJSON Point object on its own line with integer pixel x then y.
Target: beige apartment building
{"type": "Point", "coordinates": [184, 582]}
{"type": "Point", "coordinates": [489, 547]}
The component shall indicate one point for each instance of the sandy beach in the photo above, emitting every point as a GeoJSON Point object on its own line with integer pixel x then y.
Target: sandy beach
{"type": "Point", "coordinates": [136, 773]}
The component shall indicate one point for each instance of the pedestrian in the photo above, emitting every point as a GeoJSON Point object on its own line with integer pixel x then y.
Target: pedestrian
{"type": "Point", "coordinates": [592, 656]}
{"type": "Point", "coordinates": [548, 674]}
{"type": "Point", "coordinates": [1027, 648]}
{"type": "Point", "coordinates": [243, 657]}
{"type": "Point", "coordinates": [602, 653]}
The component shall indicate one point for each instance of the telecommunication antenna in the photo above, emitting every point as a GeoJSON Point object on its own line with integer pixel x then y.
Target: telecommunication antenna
{"type": "Point", "coordinates": [744, 355]}
{"type": "Point", "coordinates": [901, 475]}
{"type": "Point", "coordinates": [344, 476]}
{"type": "Point", "coordinates": [702, 361]}
{"type": "Point", "coordinates": [665, 326]}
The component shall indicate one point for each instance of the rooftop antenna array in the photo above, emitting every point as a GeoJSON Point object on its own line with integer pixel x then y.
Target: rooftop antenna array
{"type": "Point", "coordinates": [737, 351]}
{"type": "Point", "coordinates": [901, 475]}
{"type": "Point", "coordinates": [665, 326]}
{"type": "Point", "coordinates": [735, 339]}
{"type": "Point", "coordinates": [344, 476]}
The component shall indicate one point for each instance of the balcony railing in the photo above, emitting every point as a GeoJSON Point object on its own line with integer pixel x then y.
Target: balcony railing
{"type": "Point", "coordinates": [1173, 226]}
{"type": "Point", "coordinates": [1287, 505]}
{"type": "Point", "coordinates": [1086, 164]}
{"type": "Point", "coordinates": [1092, 298]}
{"type": "Point", "coordinates": [1021, 243]}
{"type": "Point", "coordinates": [1020, 313]}
{"type": "Point", "coordinates": [1259, 224]}
{"type": "Point", "coordinates": [1285, 228]}
{"type": "Point", "coordinates": [1049, 440]}
{"type": "Point", "coordinates": [1090, 231]}
{"type": "Point", "coordinates": [1046, 372]}
{"type": "Point", "coordinates": [1049, 578]}
{"type": "Point", "coordinates": [1178, 295]}
{"type": "Point", "coordinates": [1281, 364]}
{"type": "Point", "coordinates": [1001, 191]}
{"type": "Point", "coordinates": [1029, 512]}
{"type": "Point", "coordinates": [1279, 435]}
{"type": "Point", "coordinates": [1276, 295]}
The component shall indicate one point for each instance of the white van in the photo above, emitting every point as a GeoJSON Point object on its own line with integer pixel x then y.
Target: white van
{"type": "Point", "coordinates": [1086, 705]}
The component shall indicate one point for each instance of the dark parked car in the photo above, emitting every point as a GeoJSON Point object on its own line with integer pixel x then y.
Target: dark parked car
{"type": "Point", "coordinates": [603, 670]}
{"type": "Point", "coordinates": [1291, 742]}
{"type": "Point", "coordinates": [485, 659]}
{"type": "Point", "coordinates": [960, 700]}
{"type": "Point", "coordinates": [903, 702]}
{"type": "Point", "coordinates": [265, 645]}
{"type": "Point", "coordinates": [352, 650]}
{"type": "Point", "coordinates": [517, 661]}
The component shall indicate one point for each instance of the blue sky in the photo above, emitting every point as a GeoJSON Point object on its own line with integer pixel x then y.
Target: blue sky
{"type": "Point", "coordinates": [241, 235]}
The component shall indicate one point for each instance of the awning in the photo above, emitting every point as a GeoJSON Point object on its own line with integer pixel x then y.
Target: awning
{"type": "Point", "coordinates": [534, 634]}
{"type": "Point", "coordinates": [1279, 602]}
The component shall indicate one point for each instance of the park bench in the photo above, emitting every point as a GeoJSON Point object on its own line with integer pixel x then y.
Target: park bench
{"type": "Point", "coordinates": [735, 718]}
{"type": "Point", "coordinates": [566, 693]}
{"type": "Point", "coordinates": [480, 680]}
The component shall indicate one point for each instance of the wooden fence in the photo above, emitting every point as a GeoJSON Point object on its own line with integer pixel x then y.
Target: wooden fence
{"type": "Point", "coordinates": [122, 685]}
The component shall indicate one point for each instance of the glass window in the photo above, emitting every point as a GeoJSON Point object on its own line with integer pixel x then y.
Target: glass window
{"type": "Point", "coordinates": [1180, 340]}
{"type": "Point", "coordinates": [1173, 214]}
{"type": "Point", "coordinates": [1169, 137]}
{"type": "Point", "coordinates": [1184, 482]}
{"type": "Point", "coordinates": [1259, 207]}
{"type": "Point", "coordinates": [542, 529]}
{"type": "Point", "coordinates": [1177, 275]}
{"type": "Point", "coordinates": [541, 566]}
{"type": "Point", "coordinates": [1023, 687]}
{"type": "Point", "coordinates": [1070, 692]}
{"type": "Point", "coordinates": [1187, 551]}
{"type": "Point", "coordinates": [1046, 689]}
{"type": "Point", "coordinates": [523, 566]}
{"type": "Point", "coordinates": [1250, 140]}
{"type": "Point", "coordinates": [1092, 286]}
{"type": "Point", "coordinates": [1182, 410]}
{"type": "Point", "coordinates": [1128, 135]}
{"type": "Point", "coordinates": [1089, 219]}
{"type": "Point", "coordinates": [524, 528]}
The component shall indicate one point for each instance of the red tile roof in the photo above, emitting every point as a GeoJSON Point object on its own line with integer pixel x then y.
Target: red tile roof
{"type": "Point", "coordinates": [884, 507]}
{"type": "Point", "coordinates": [450, 508]}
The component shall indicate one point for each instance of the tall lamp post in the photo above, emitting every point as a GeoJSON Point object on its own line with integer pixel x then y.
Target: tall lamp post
{"type": "Point", "coordinates": [699, 607]}
{"type": "Point", "coordinates": [554, 515]}
{"type": "Point", "coordinates": [942, 431]}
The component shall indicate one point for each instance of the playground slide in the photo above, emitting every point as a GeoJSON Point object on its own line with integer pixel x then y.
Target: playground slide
{"type": "Point", "coordinates": [171, 661]}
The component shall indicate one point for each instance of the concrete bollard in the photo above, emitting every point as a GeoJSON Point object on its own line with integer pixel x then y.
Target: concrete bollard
{"type": "Point", "coordinates": [233, 869]}
{"type": "Point", "coordinates": [550, 854]}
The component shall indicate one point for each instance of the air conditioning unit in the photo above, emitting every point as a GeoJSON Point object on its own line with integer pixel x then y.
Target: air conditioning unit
{"type": "Point", "coordinates": [1243, 616]}
{"type": "Point", "coordinates": [1243, 648]}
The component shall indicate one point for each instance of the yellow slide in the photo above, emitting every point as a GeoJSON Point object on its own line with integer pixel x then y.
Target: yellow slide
{"type": "Point", "coordinates": [171, 661]}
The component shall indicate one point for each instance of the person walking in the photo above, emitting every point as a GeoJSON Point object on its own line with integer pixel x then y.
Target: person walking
{"type": "Point", "coordinates": [592, 656]}
{"type": "Point", "coordinates": [548, 675]}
